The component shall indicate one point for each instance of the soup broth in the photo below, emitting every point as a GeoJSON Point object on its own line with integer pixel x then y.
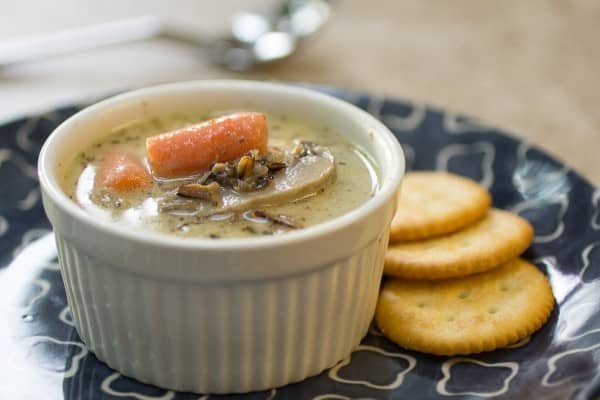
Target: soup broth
{"type": "Point", "coordinates": [156, 208]}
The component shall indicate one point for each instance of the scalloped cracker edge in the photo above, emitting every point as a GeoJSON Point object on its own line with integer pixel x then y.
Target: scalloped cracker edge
{"type": "Point", "coordinates": [432, 203]}
{"type": "Point", "coordinates": [466, 315]}
{"type": "Point", "coordinates": [499, 237]}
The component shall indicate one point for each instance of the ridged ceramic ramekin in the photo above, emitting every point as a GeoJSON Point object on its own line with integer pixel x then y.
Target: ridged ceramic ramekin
{"type": "Point", "coordinates": [227, 315]}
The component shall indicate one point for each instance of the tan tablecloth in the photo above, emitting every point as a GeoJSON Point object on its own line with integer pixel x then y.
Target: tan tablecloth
{"type": "Point", "coordinates": [530, 67]}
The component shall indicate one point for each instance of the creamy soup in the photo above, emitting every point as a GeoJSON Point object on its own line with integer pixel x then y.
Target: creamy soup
{"type": "Point", "coordinates": [309, 174]}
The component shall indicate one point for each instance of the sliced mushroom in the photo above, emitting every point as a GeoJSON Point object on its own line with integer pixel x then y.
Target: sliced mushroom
{"type": "Point", "coordinates": [304, 176]}
{"type": "Point", "coordinates": [208, 192]}
{"type": "Point", "coordinates": [308, 175]}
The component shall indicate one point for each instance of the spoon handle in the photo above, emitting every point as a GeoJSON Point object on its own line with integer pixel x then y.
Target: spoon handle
{"type": "Point", "coordinates": [79, 39]}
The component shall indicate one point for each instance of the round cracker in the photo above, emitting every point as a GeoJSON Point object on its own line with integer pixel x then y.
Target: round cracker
{"type": "Point", "coordinates": [498, 237]}
{"type": "Point", "coordinates": [435, 203]}
{"type": "Point", "coordinates": [466, 315]}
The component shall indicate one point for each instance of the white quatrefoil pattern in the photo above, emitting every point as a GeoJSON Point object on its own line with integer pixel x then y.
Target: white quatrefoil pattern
{"type": "Point", "coordinates": [43, 356]}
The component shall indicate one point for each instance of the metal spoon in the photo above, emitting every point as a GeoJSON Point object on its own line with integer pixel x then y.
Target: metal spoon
{"type": "Point", "coordinates": [254, 39]}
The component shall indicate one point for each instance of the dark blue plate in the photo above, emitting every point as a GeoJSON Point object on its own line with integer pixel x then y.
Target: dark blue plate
{"type": "Point", "coordinates": [42, 356]}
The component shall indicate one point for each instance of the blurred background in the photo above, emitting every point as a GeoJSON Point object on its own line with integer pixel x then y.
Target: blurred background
{"type": "Point", "coordinates": [530, 67]}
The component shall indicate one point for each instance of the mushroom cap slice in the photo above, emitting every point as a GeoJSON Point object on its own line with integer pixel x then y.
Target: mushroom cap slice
{"type": "Point", "coordinates": [305, 176]}
{"type": "Point", "coordinates": [308, 175]}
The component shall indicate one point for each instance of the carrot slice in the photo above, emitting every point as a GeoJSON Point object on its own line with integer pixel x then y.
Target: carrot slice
{"type": "Point", "coordinates": [193, 149]}
{"type": "Point", "coordinates": [121, 170]}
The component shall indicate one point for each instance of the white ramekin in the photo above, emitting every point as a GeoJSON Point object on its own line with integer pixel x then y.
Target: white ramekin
{"type": "Point", "coordinates": [227, 315]}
